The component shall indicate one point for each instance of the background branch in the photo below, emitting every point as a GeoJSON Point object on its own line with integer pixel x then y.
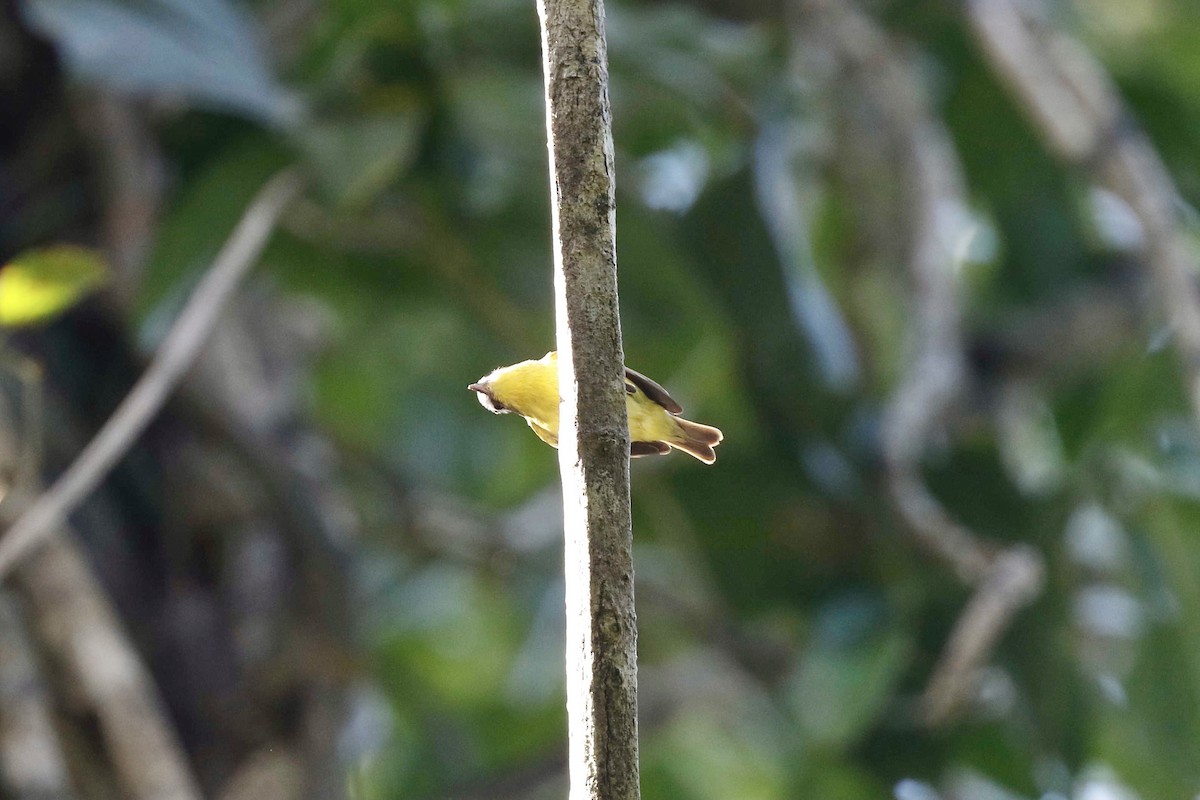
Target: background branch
{"type": "Point", "coordinates": [1073, 104]}
{"type": "Point", "coordinates": [931, 195]}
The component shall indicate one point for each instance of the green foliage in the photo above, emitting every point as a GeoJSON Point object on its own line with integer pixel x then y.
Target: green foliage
{"type": "Point", "coordinates": [840, 689]}
{"type": "Point", "coordinates": [789, 623]}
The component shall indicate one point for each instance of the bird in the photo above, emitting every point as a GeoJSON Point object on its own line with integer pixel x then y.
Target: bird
{"type": "Point", "coordinates": [530, 389]}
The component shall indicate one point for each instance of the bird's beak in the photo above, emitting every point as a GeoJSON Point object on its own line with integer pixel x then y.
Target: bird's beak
{"type": "Point", "coordinates": [478, 387]}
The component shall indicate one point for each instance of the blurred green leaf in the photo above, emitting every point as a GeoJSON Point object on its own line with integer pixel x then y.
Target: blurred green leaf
{"type": "Point", "coordinates": [206, 51]}
{"type": "Point", "coordinates": [704, 755]}
{"type": "Point", "coordinates": [40, 284]}
{"type": "Point", "coordinates": [356, 158]}
{"type": "Point", "coordinates": [838, 691]}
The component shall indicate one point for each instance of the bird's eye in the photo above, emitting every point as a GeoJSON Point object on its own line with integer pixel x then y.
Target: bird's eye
{"type": "Point", "coordinates": [497, 406]}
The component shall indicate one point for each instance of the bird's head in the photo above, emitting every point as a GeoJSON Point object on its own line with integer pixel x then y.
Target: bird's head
{"type": "Point", "coordinates": [529, 387]}
{"type": "Point", "coordinates": [487, 397]}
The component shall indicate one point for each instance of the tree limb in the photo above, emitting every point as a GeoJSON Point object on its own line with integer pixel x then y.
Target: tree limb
{"type": "Point", "coordinates": [594, 431]}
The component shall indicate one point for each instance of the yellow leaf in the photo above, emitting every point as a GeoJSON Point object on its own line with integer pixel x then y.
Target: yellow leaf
{"type": "Point", "coordinates": [38, 284]}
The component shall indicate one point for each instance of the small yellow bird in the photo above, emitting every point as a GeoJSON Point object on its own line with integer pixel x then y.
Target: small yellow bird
{"type": "Point", "coordinates": [531, 390]}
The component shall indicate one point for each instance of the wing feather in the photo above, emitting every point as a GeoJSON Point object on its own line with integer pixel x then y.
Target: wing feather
{"type": "Point", "coordinates": [652, 390]}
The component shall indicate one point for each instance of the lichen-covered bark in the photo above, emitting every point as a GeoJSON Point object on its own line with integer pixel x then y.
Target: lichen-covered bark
{"type": "Point", "coordinates": [594, 435]}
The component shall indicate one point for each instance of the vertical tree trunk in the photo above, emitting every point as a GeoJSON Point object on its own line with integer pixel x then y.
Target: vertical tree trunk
{"type": "Point", "coordinates": [594, 432]}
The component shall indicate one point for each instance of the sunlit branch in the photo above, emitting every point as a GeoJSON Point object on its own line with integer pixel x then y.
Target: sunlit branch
{"type": "Point", "coordinates": [593, 432]}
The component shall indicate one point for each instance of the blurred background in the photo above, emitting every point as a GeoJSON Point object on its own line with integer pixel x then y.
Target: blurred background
{"type": "Point", "coordinates": [950, 547]}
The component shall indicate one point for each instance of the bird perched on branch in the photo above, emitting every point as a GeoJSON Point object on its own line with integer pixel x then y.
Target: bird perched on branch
{"type": "Point", "coordinates": [530, 389]}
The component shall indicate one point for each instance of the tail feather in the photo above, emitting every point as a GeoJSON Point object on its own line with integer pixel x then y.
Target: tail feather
{"type": "Point", "coordinates": [697, 440]}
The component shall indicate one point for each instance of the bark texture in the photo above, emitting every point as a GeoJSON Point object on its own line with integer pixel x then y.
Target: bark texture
{"type": "Point", "coordinates": [594, 433]}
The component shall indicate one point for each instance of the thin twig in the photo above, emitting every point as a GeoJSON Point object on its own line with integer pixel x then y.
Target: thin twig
{"type": "Point", "coordinates": [174, 356]}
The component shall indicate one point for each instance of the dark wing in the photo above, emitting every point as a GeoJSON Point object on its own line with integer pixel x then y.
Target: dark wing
{"type": "Point", "coordinates": [652, 390]}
